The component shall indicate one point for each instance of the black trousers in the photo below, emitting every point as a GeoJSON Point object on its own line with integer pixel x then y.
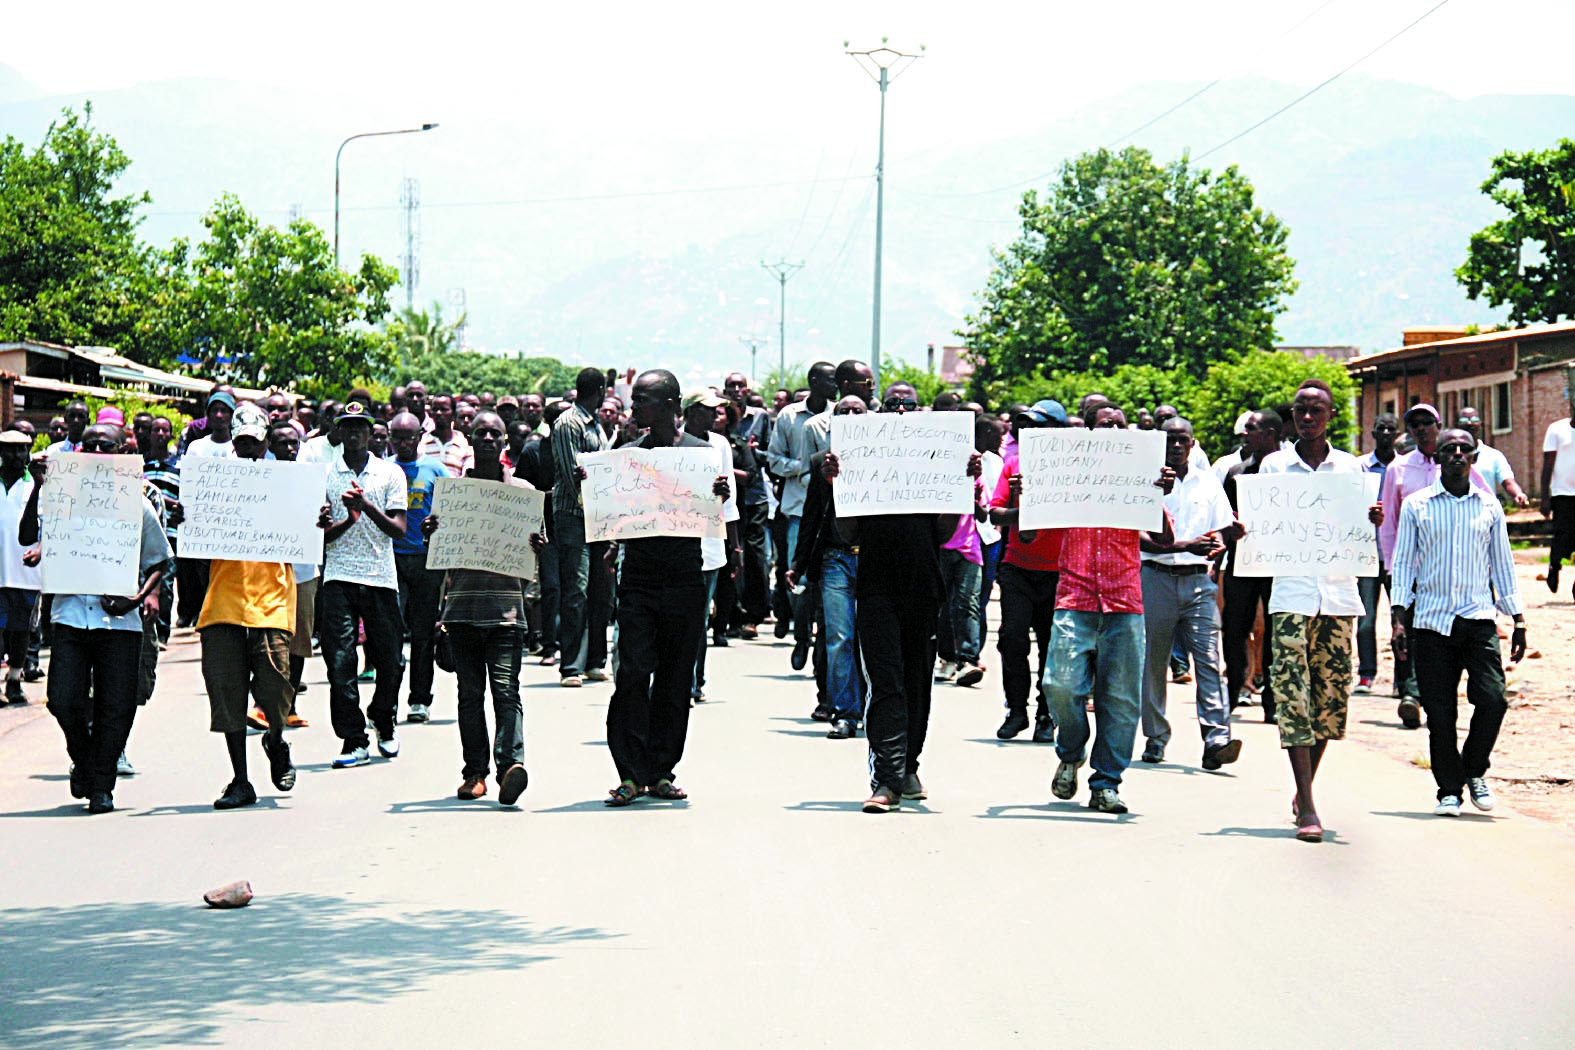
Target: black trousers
{"type": "Point", "coordinates": [659, 626]}
{"type": "Point", "coordinates": [191, 587]}
{"type": "Point", "coordinates": [1563, 543]}
{"type": "Point", "coordinates": [420, 590]}
{"type": "Point", "coordinates": [1242, 595]}
{"type": "Point", "coordinates": [93, 695]}
{"type": "Point", "coordinates": [377, 608]}
{"type": "Point", "coordinates": [754, 581]}
{"type": "Point", "coordinates": [897, 647]}
{"type": "Point", "coordinates": [1470, 646]}
{"type": "Point", "coordinates": [783, 607]}
{"type": "Point", "coordinates": [1027, 607]}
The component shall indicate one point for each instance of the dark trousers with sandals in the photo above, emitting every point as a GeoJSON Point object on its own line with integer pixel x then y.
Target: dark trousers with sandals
{"type": "Point", "coordinates": [897, 642]}
{"type": "Point", "coordinates": [659, 627]}
{"type": "Point", "coordinates": [1471, 646]}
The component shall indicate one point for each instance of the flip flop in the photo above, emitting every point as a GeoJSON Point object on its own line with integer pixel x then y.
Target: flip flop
{"type": "Point", "coordinates": [1310, 832]}
{"type": "Point", "coordinates": [664, 789]}
{"type": "Point", "coordinates": [624, 794]}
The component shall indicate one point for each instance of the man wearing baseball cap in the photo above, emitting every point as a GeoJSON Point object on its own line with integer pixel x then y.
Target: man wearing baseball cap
{"type": "Point", "coordinates": [1413, 472]}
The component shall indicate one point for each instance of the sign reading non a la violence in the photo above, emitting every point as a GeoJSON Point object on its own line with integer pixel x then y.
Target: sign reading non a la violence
{"type": "Point", "coordinates": [485, 525]}
{"type": "Point", "coordinates": [1305, 525]}
{"type": "Point", "coordinates": [251, 509]}
{"type": "Point", "coordinates": [633, 493]}
{"type": "Point", "coordinates": [90, 524]}
{"type": "Point", "coordinates": [903, 464]}
{"type": "Point", "coordinates": [1091, 478]}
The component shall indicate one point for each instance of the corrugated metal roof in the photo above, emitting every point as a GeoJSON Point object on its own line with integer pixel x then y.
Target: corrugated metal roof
{"type": "Point", "coordinates": [1464, 342]}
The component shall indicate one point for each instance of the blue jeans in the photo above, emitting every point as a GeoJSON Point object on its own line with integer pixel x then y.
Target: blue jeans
{"type": "Point", "coordinates": [838, 576]}
{"type": "Point", "coordinates": [574, 580]}
{"type": "Point", "coordinates": [697, 685]}
{"type": "Point", "coordinates": [1099, 654]}
{"type": "Point", "coordinates": [960, 577]}
{"type": "Point", "coordinates": [992, 562]}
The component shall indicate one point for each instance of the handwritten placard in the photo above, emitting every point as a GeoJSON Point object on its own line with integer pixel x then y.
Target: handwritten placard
{"type": "Point", "coordinates": [1091, 478]}
{"type": "Point", "coordinates": [90, 521]}
{"type": "Point", "coordinates": [1305, 525]}
{"type": "Point", "coordinates": [633, 493]}
{"type": "Point", "coordinates": [903, 464]}
{"type": "Point", "coordinates": [485, 525]}
{"type": "Point", "coordinates": [251, 509]}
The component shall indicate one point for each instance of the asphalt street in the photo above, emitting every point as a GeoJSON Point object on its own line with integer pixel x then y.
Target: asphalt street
{"type": "Point", "coordinates": [767, 911]}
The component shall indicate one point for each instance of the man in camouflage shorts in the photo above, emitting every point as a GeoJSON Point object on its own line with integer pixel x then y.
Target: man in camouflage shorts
{"type": "Point", "coordinates": [1316, 678]}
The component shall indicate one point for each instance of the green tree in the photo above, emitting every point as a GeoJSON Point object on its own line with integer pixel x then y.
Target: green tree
{"type": "Point", "coordinates": [1526, 261]}
{"type": "Point", "coordinates": [1131, 386]}
{"type": "Point", "coordinates": [260, 305]}
{"type": "Point", "coordinates": [417, 333]}
{"type": "Point", "coordinates": [470, 371]}
{"type": "Point", "coordinates": [926, 384]}
{"type": "Point", "coordinates": [1121, 262]}
{"type": "Point", "coordinates": [1264, 379]}
{"type": "Point", "coordinates": [71, 268]}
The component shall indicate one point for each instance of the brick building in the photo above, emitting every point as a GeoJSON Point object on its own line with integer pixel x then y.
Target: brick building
{"type": "Point", "coordinates": [1519, 380]}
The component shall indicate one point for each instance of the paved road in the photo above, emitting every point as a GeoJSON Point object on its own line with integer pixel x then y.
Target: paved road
{"type": "Point", "coordinates": [769, 911]}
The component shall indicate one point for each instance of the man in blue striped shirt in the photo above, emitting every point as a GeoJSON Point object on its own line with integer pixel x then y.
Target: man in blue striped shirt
{"type": "Point", "coordinates": [1452, 550]}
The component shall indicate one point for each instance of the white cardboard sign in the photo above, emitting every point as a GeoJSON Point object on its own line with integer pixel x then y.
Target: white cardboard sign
{"type": "Point", "coordinates": [90, 522]}
{"type": "Point", "coordinates": [1305, 525]}
{"type": "Point", "coordinates": [485, 525]}
{"type": "Point", "coordinates": [251, 509]}
{"type": "Point", "coordinates": [633, 493]}
{"type": "Point", "coordinates": [1077, 478]}
{"type": "Point", "coordinates": [913, 463]}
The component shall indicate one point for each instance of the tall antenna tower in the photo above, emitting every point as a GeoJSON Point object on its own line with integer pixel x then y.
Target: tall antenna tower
{"type": "Point", "coordinates": [410, 262]}
{"type": "Point", "coordinates": [456, 296]}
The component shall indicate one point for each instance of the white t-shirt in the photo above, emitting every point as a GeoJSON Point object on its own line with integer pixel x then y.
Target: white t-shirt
{"type": "Point", "coordinates": [1561, 440]}
{"type": "Point", "coordinates": [992, 465]}
{"type": "Point", "coordinates": [13, 574]}
{"type": "Point", "coordinates": [713, 552]}
{"type": "Point", "coordinates": [207, 448]}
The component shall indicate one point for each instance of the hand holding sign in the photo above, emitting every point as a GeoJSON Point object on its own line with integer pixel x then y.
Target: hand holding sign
{"type": "Point", "coordinates": [1305, 525]}
{"type": "Point", "coordinates": [633, 493]}
{"type": "Point", "coordinates": [486, 525]}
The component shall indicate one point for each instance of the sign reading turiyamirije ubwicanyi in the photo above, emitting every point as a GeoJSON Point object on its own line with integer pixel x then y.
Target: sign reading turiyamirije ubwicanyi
{"type": "Point", "coordinates": [903, 464]}
{"type": "Point", "coordinates": [1305, 525]}
{"type": "Point", "coordinates": [251, 509]}
{"type": "Point", "coordinates": [90, 524]}
{"type": "Point", "coordinates": [1091, 479]}
{"type": "Point", "coordinates": [485, 525]}
{"type": "Point", "coordinates": [631, 493]}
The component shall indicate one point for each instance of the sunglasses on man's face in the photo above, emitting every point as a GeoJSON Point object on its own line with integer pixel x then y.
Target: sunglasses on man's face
{"type": "Point", "coordinates": [906, 403]}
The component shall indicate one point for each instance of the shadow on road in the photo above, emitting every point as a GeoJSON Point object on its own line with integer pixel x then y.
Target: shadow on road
{"type": "Point", "coordinates": [1062, 812]}
{"type": "Point", "coordinates": [146, 973]}
{"type": "Point", "coordinates": [1481, 818]}
{"type": "Point", "coordinates": [1283, 834]}
{"type": "Point", "coordinates": [846, 806]}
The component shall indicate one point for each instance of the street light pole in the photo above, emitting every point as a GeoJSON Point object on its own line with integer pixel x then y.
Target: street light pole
{"type": "Point", "coordinates": [884, 65]}
{"type": "Point", "coordinates": [782, 270]}
{"type": "Point", "coordinates": [754, 352]}
{"type": "Point", "coordinates": [340, 153]}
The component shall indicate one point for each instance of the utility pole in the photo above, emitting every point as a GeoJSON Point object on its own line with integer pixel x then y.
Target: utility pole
{"type": "Point", "coordinates": [782, 270]}
{"type": "Point", "coordinates": [754, 352]}
{"type": "Point", "coordinates": [339, 155]}
{"type": "Point", "coordinates": [884, 65]}
{"type": "Point", "coordinates": [457, 297]}
{"type": "Point", "coordinates": [410, 264]}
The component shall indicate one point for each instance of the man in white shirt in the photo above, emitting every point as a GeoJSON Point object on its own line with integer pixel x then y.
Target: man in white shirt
{"type": "Point", "coordinates": [216, 442]}
{"type": "Point", "coordinates": [365, 512]}
{"type": "Point", "coordinates": [77, 417]}
{"type": "Point", "coordinates": [444, 442]}
{"type": "Point", "coordinates": [701, 409]}
{"type": "Point", "coordinates": [1558, 492]}
{"type": "Point", "coordinates": [1490, 463]}
{"type": "Point", "coordinates": [1179, 601]}
{"type": "Point", "coordinates": [1312, 619]}
{"type": "Point", "coordinates": [1452, 557]}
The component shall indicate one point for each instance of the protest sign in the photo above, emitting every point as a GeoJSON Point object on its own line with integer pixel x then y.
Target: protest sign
{"type": "Point", "coordinates": [1305, 525]}
{"type": "Point", "coordinates": [90, 524]}
{"type": "Point", "coordinates": [1091, 478]}
{"type": "Point", "coordinates": [631, 493]}
{"type": "Point", "coordinates": [485, 525]}
{"type": "Point", "coordinates": [251, 509]}
{"type": "Point", "coordinates": [903, 464]}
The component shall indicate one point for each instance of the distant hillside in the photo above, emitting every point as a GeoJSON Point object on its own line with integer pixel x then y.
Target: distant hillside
{"type": "Point", "coordinates": [1377, 181]}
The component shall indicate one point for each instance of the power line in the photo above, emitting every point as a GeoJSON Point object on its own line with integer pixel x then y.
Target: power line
{"type": "Point", "coordinates": [1304, 96]}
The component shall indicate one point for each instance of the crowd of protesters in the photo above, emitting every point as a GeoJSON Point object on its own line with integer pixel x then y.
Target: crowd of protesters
{"type": "Point", "coordinates": [883, 607]}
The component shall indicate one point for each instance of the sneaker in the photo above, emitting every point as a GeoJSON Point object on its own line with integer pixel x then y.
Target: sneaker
{"type": "Point", "coordinates": [1481, 797]}
{"type": "Point", "coordinates": [280, 769]}
{"type": "Point", "coordinates": [843, 729]}
{"type": "Point", "coordinates": [356, 756]}
{"type": "Point", "coordinates": [883, 800]}
{"type": "Point", "coordinates": [1364, 685]}
{"type": "Point", "coordinates": [473, 787]}
{"type": "Point", "coordinates": [913, 788]}
{"type": "Point", "coordinates": [123, 767]}
{"type": "Point", "coordinates": [800, 655]}
{"type": "Point", "coordinates": [1153, 753]}
{"type": "Point", "coordinates": [1016, 722]}
{"type": "Point", "coordinates": [1064, 786]}
{"type": "Point", "coordinates": [1044, 729]}
{"type": "Point", "coordinates": [237, 793]}
{"type": "Point", "coordinates": [387, 744]}
{"type": "Point", "coordinates": [945, 671]}
{"type": "Point", "coordinates": [512, 784]}
{"type": "Point", "coordinates": [255, 719]}
{"type": "Point", "coordinates": [1448, 806]}
{"type": "Point", "coordinates": [418, 713]}
{"type": "Point", "coordinates": [1410, 712]}
{"type": "Point", "coordinates": [971, 674]}
{"type": "Point", "coordinates": [1105, 800]}
{"type": "Point", "coordinates": [571, 681]}
{"type": "Point", "coordinates": [596, 674]}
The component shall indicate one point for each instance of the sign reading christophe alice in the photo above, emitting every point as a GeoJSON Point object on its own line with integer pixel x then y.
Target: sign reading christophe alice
{"type": "Point", "coordinates": [251, 509]}
{"type": "Point", "coordinates": [903, 464]}
{"type": "Point", "coordinates": [1091, 478]}
{"type": "Point", "coordinates": [1305, 525]}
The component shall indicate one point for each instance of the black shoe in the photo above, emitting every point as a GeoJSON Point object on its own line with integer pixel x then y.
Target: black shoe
{"type": "Point", "coordinates": [1154, 753]}
{"type": "Point", "coordinates": [719, 641]}
{"type": "Point", "coordinates": [1222, 755]}
{"type": "Point", "coordinates": [1268, 712]}
{"type": "Point", "coordinates": [280, 769]}
{"type": "Point", "coordinates": [1016, 722]}
{"type": "Point", "coordinates": [13, 691]}
{"type": "Point", "coordinates": [1044, 730]}
{"type": "Point", "coordinates": [783, 626]}
{"type": "Point", "coordinates": [1553, 575]}
{"type": "Point", "coordinates": [822, 713]}
{"type": "Point", "coordinates": [1410, 712]}
{"type": "Point", "coordinates": [800, 655]}
{"type": "Point", "coordinates": [512, 784]}
{"type": "Point", "coordinates": [237, 794]}
{"type": "Point", "coordinates": [32, 674]}
{"type": "Point", "coordinates": [843, 729]}
{"type": "Point", "coordinates": [101, 802]}
{"type": "Point", "coordinates": [79, 783]}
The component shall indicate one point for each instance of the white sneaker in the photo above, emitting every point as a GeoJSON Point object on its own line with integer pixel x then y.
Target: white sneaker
{"type": "Point", "coordinates": [1481, 797]}
{"type": "Point", "coordinates": [945, 671]}
{"type": "Point", "coordinates": [123, 767]}
{"type": "Point", "coordinates": [354, 757]}
{"type": "Point", "coordinates": [596, 674]}
{"type": "Point", "coordinates": [388, 748]}
{"type": "Point", "coordinates": [1448, 806]}
{"type": "Point", "coordinates": [418, 713]}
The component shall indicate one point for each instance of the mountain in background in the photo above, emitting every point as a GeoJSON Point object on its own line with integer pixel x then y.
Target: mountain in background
{"type": "Point", "coordinates": [561, 242]}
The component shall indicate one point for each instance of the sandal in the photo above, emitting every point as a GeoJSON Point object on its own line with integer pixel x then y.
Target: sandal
{"type": "Point", "coordinates": [548, 661]}
{"type": "Point", "coordinates": [1310, 832]}
{"type": "Point", "coordinates": [664, 789]}
{"type": "Point", "coordinates": [623, 795]}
